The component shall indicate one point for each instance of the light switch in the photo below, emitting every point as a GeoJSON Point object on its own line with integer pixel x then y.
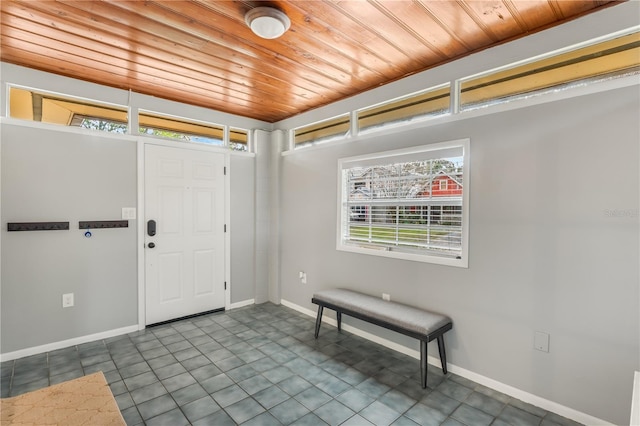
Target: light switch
{"type": "Point", "coordinates": [128, 213]}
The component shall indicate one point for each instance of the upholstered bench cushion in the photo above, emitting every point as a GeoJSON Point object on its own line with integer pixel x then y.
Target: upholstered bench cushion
{"type": "Point", "coordinates": [403, 316]}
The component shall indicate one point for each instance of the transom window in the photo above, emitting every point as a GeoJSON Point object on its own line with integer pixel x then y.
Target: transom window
{"type": "Point", "coordinates": [409, 204]}
{"type": "Point", "coordinates": [322, 131]}
{"type": "Point", "coordinates": [607, 60]}
{"type": "Point", "coordinates": [53, 108]}
{"type": "Point", "coordinates": [601, 60]}
{"type": "Point", "coordinates": [431, 102]}
{"type": "Point", "coordinates": [180, 129]}
{"type": "Point", "coordinates": [49, 108]}
{"type": "Point", "coordinates": [239, 140]}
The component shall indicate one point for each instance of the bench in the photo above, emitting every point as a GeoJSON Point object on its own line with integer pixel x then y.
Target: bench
{"type": "Point", "coordinates": [418, 323]}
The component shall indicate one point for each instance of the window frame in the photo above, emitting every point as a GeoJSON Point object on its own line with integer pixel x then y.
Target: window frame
{"type": "Point", "coordinates": [326, 130]}
{"type": "Point", "coordinates": [458, 110]}
{"type": "Point", "coordinates": [541, 66]}
{"type": "Point", "coordinates": [404, 105]}
{"type": "Point", "coordinates": [185, 136]}
{"type": "Point", "coordinates": [113, 114]}
{"type": "Point", "coordinates": [234, 144]}
{"type": "Point", "coordinates": [390, 157]}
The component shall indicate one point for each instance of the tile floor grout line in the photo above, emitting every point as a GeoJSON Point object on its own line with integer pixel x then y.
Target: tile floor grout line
{"type": "Point", "coordinates": [278, 337]}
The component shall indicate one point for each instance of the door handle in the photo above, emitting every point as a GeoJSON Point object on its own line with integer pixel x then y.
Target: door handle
{"type": "Point", "coordinates": [151, 228]}
{"type": "Point", "coordinates": [151, 245]}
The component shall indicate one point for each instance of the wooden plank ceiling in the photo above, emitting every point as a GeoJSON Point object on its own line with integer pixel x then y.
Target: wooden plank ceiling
{"type": "Point", "coordinates": [201, 52]}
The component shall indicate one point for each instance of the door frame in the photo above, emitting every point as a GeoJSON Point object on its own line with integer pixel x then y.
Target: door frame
{"type": "Point", "coordinates": [142, 294]}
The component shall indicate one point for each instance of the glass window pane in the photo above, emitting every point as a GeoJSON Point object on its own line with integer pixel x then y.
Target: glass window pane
{"type": "Point", "coordinates": [407, 202]}
{"type": "Point", "coordinates": [238, 140]}
{"type": "Point", "coordinates": [432, 102]}
{"type": "Point", "coordinates": [324, 130]}
{"type": "Point", "coordinates": [605, 60]}
{"type": "Point", "coordinates": [174, 128]}
{"type": "Point", "coordinates": [31, 105]}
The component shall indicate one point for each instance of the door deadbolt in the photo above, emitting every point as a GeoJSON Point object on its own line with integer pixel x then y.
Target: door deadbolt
{"type": "Point", "coordinates": [151, 228]}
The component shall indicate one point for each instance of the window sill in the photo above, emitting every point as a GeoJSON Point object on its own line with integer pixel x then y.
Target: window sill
{"type": "Point", "coordinates": [394, 254]}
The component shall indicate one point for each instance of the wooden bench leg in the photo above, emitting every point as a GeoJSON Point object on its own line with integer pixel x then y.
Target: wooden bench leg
{"type": "Point", "coordinates": [423, 363]}
{"type": "Point", "coordinates": [339, 318]}
{"type": "Point", "coordinates": [443, 355]}
{"type": "Point", "coordinates": [319, 319]}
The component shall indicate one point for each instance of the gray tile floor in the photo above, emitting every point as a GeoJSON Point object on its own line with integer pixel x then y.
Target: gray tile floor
{"type": "Point", "coordinates": [260, 365]}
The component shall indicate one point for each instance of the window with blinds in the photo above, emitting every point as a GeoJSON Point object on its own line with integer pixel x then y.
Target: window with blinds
{"type": "Point", "coordinates": [428, 103]}
{"type": "Point", "coordinates": [322, 131]}
{"type": "Point", "coordinates": [32, 105]}
{"type": "Point", "coordinates": [239, 140]}
{"type": "Point", "coordinates": [615, 58]}
{"type": "Point", "coordinates": [180, 129]}
{"type": "Point", "coordinates": [409, 204]}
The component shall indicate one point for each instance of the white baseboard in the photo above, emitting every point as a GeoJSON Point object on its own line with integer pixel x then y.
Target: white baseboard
{"type": "Point", "coordinates": [66, 343]}
{"type": "Point", "coordinates": [372, 337]}
{"type": "Point", "coordinates": [527, 397]}
{"type": "Point", "coordinates": [635, 400]}
{"type": "Point", "coordinates": [241, 304]}
{"type": "Point", "coordinates": [90, 338]}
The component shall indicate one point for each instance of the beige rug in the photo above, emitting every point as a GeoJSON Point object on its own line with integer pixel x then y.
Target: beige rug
{"type": "Point", "coordinates": [84, 401]}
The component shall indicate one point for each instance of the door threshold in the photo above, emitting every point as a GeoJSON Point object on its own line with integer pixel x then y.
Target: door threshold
{"type": "Point", "coordinates": [155, 324]}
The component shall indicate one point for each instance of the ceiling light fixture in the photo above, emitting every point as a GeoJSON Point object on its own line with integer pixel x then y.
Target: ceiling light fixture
{"type": "Point", "coordinates": [267, 22]}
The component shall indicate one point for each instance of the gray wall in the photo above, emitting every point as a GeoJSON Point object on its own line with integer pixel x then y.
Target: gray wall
{"type": "Point", "coordinates": [554, 247]}
{"type": "Point", "coordinates": [242, 175]}
{"type": "Point", "coordinates": [59, 176]}
{"type": "Point", "coordinates": [70, 178]}
{"type": "Point", "coordinates": [50, 175]}
{"type": "Point", "coordinates": [267, 188]}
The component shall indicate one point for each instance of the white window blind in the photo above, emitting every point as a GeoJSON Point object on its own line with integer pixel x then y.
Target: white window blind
{"type": "Point", "coordinates": [408, 204]}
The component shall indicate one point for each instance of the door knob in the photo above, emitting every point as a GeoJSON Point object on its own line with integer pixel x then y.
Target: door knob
{"type": "Point", "coordinates": [151, 245]}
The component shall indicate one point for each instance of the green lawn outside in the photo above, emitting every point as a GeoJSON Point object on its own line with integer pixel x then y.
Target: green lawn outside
{"type": "Point", "coordinates": [408, 235]}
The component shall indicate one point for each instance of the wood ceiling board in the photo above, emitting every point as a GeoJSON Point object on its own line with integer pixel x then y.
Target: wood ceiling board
{"type": "Point", "coordinates": [247, 83]}
{"type": "Point", "coordinates": [388, 28]}
{"type": "Point", "coordinates": [151, 16]}
{"type": "Point", "coordinates": [78, 67]}
{"type": "Point", "coordinates": [315, 29]}
{"type": "Point", "coordinates": [494, 18]}
{"type": "Point", "coordinates": [359, 34]}
{"type": "Point", "coordinates": [530, 15]}
{"type": "Point", "coordinates": [429, 30]}
{"type": "Point", "coordinates": [157, 73]}
{"type": "Point", "coordinates": [201, 52]}
{"type": "Point", "coordinates": [577, 8]}
{"type": "Point", "coordinates": [323, 57]}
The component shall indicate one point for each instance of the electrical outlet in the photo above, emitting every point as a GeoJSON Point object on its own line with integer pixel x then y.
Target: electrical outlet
{"type": "Point", "coordinates": [541, 341]}
{"type": "Point", "coordinates": [303, 277]}
{"type": "Point", "coordinates": [67, 300]}
{"type": "Point", "coordinates": [386, 297]}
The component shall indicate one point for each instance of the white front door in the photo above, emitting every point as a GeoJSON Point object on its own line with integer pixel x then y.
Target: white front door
{"type": "Point", "coordinates": [185, 259]}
